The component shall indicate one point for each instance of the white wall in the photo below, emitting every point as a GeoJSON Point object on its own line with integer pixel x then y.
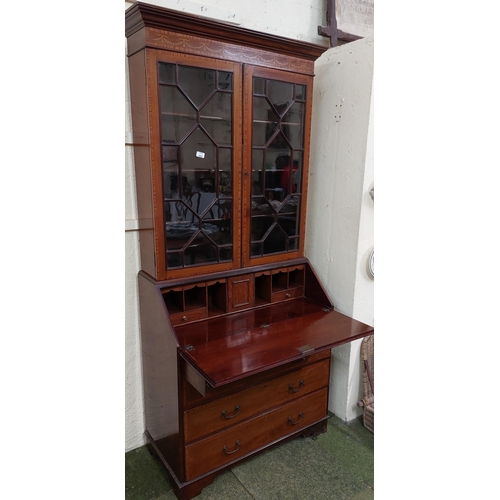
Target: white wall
{"type": "Point", "coordinates": [297, 20]}
{"type": "Point", "coordinates": [339, 234]}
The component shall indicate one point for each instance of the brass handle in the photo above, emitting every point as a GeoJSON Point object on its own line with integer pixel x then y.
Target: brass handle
{"type": "Point", "coordinates": [225, 450]}
{"type": "Point", "coordinates": [291, 421]}
{"type": "Point", "coordinates": [184, 318]}
{"type": "Point", "coordinates": [287, 295]}
{"type": "Point", "coordinates": [232, 415]}
{"type": "Point", "coordinates": [301, 386]}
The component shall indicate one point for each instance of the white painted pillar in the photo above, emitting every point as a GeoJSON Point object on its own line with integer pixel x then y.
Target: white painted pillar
{"type": "Point", "coordinates": [339, 234]}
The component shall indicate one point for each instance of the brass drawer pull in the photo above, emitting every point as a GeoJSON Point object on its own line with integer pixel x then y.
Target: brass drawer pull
{"type": "Point", "coordinates": [232, 451]}
{"type": "Point", "coordinates": [232, 415]}
{"type": "Point", "coordinates": [290, 419]}
{"type": "Point", "coordinates": [301, 386]}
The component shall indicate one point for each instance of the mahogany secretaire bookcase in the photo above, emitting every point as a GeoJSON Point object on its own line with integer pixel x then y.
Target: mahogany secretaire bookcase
{"type": "Point", "coordinates": [236, 327]}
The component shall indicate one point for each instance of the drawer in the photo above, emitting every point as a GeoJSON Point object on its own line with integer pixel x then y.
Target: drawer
{"type": "Point", "coordinates": [187, 316]}
{"type": "Point", "coordinates": [246, 437]}
{"type": "Point", "coordinates": [290, 293]}
{"type": "Point", "coordinates": [229, 410]}
{"type": "Point", "coordinates": [192, 398]}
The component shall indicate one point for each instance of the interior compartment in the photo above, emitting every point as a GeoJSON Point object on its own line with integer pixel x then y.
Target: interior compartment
{"type": "Point", "coordinates": [262, 288]}
{"type": "Point", "coordinates": [195, 297]}
{"type": "Point", "coordinates": [174, 300]}
{"type": "Point", "coordinates": [217, 298]}
{"type": "Point", "coordinates": [296, 277]}
{"type": "Point", "coordinates": [280, 281]}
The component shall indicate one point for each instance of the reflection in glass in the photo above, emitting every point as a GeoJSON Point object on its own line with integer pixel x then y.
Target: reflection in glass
{"type": "Point", "coordinates": [216, 118]}
{"type": "Point", "coordinates": [225, 81]}
{"type": "Point", "coordinates": [196, 118]}
{"type": "Point", "coordinates": [178, 116]}
{"type": "Point", "coordinates": [196, 83]}
{"type": "Point", "coordinates": [167, 73]}
{"type": "Point", "coordinates": [277, 165]}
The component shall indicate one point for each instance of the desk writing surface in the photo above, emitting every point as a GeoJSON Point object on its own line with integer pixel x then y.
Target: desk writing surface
{"type": "Point", "coordinates": [231, 347]}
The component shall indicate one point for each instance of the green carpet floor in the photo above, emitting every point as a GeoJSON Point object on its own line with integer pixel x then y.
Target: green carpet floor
{"type": "Point", "coordinates": [337, 465]}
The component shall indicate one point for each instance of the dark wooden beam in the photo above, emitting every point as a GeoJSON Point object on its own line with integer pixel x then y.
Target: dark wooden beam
{"type": "Point", "coordinates": [331, 31]}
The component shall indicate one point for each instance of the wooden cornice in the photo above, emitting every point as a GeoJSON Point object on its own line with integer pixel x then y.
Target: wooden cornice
{"type": "Point", "coordinates": [142, 15]}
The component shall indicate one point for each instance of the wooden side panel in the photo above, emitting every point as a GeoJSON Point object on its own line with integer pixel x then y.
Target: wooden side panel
{"type": "Point", "coordinates": [159, 361]}
{"type": "Point", "coordinates": [142, 159]}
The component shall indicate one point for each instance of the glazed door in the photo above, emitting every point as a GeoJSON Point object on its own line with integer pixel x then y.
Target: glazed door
{"type": "Point", "coordinates": [277, 110]}
{"type": "Point", "coordinates": [197, 164]}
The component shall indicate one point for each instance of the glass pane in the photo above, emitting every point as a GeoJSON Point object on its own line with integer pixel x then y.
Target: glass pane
{"type": "Point", "coordinates": [197, 83]}
{"type": "Point", "coordinates": [259, 86]}
{"type": "Point", "coordinates": [170, 171]}
{"type": "Point", "coordinates": [257, 169]}
{"type": "Point", "coordinates": [256, 249]}
{"type": "Point", "coordinates": [293, 125]}
{"type": "Point", "coordinates": [276, 241]}
{"type": "Point", "coordinates": [297, 171]}
{"type": "Point", "coordinates": [260, 133]}
{"type": "Point", "coordinates": [290, 206]}
{"type": "Point", "coordinates": [225, 80]}
{"type": "Point", "coordinates": [178, 117]}
{"type": "Point", "coordinates": [180, 233]}
{"type": "Point", "coordinates": [260, 225]}
{"type": "Point", "coordinates": [216, 118]}
{"type": "Point", "coordinates": [263, 111]}
{"type": "Point", "coordinates": [300, 92]}
{"type": "Point", "coordinates": [280, 93]}
{"type": "Point", "coordinates": [280, 145]}
{"type": "Point", "coordinates": [289, 224]}
{"type": "Point", "coordinates": [221, 210]}
{"type": "Point", "coordinates": [197, 174]}
{"type": "Point", "coordinates": [226, 254]}
{"type": "Point", "coordinates": [198, 160]}
{"type": "Point", "coordinates": [225, 172]}
{"type": "Point", "coordinates": [174, 259]}
{"type": "Point", "coordinates": [277, 165]}
{"type": "Point", "coordinates": [200, 251]}
{"type": "Point", "coordinates": [166, 73]}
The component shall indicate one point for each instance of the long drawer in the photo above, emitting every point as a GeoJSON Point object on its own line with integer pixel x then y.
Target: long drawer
{"type": "Point", "coordinates": [229, 410]}
{"type": "Point", "coordinates": [246, 437]}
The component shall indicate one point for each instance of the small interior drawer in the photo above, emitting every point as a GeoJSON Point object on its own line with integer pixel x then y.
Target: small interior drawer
{"type": "Point", "coordinates": [290, 293]}
{"type": "Point", "coordinates": [188, 316]}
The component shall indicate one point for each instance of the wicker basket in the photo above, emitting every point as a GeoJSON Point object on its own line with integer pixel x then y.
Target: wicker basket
{"type": "Point", "coordinates": [367, 403]}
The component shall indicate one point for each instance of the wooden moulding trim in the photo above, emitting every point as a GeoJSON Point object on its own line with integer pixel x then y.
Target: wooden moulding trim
{"type": "Point", "coordinates": [225, 274]}
{"type": "Point", "coordinates": [347, 37]}
{"type": "Point", "coordinates": [144, 15]}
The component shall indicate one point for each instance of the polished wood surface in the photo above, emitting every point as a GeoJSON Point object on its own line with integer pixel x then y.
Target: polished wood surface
{"type": "Point", "coordinates": [235, 346]}
{"type": "Point", "coordinates": [241, 439]}
{"type": "Point", "coordinates": [192, 398]}
{"type": "Point", "coordinates": [230, 410]}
